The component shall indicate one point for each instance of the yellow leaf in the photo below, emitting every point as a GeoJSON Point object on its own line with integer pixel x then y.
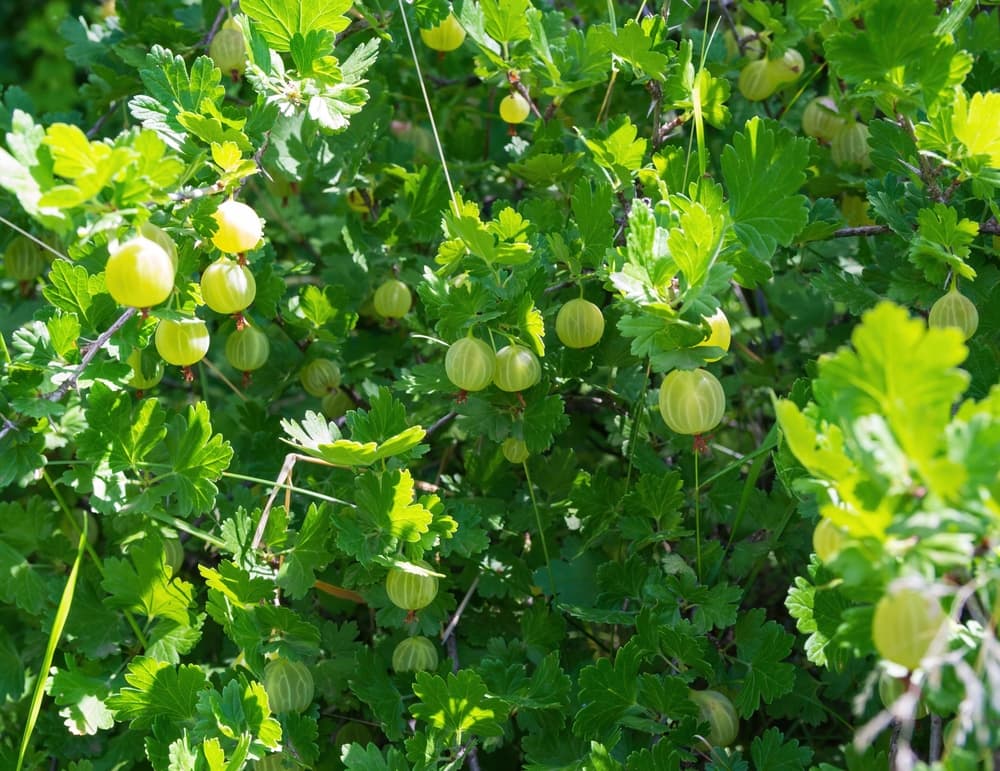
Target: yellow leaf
{"type": "Point", "coordinates": [977, 126]}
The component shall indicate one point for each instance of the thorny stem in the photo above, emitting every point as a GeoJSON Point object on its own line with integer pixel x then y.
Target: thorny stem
{"type": "Point", "coordinates": [89, 355]}
{"type": "Point", "coordinates": [990, 227]}
{"type": "Point", "coordinates": [523, 91]}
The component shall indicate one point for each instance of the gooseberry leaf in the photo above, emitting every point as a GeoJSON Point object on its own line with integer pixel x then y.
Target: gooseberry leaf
{"type": "Point", "coordinates": [631, 44]}
{"type": "Point", "coordinates": [592, 211]}
{"type": "Point", "coordinates": [941, 244]}
{"type": "Point", "coordinates": [197, 457]}
{"type": "Point", "coordinates": [763, 647]}
{"type": "Point", "coordinates": [620, 151]}
{"type": "Point", "coordinates": [771, 750]}
{"type": "Point", "coordinates": [506, 20]}
{"type": "Point", "coordinates": [373, 686]}
{"type": "Point", "coordinates": [82, 700]}
{"type": "Point", "coordinates": [764, 168]}
{"type": "Point", "coordinates": [900, 369]}
{"type": "Point", "coordinates": [895, 33]}
{"type": "Point", "coordinates": [356, 757]}
{"type": "Point", "coordinates": [156, 689]}
{"type": "Point", "coordinates": [975, 125]}
{"type": "Point", "coordinates": [608, 692]}
{"type": "Point", "coordinates": [457, 706]}
{"type": "Point", "coordinates": [142, 583]}
{"type": "Point", "coordinates": [172, 91]}
{"type": "Point", "coordinates": [280, 20]}
{"type": "Point", "coordinates": [307, 554]}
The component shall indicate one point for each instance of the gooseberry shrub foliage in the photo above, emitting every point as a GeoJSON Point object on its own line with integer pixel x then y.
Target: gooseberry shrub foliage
{"type": "Point", "coordinates": [607, 593]}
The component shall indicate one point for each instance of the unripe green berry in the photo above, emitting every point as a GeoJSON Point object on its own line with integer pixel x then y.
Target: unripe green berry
{"type": "Point", "coordinates": [289, 685]}
{"type": "Point", "coordinates": [955, 310]}
{"type": "Point", "coordinates": [415, 654]}
{"type": "Point", "coordinates": [515, 450]}
{"type": "Point", "coordinates": [320, 376]}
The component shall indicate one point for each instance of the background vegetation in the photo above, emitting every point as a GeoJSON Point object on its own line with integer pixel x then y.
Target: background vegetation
{"type": "Point", "coordinates": [176, 594]}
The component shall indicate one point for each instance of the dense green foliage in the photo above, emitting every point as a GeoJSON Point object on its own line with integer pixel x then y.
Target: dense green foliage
{"type": "Point", "coordinates": [385, 508]}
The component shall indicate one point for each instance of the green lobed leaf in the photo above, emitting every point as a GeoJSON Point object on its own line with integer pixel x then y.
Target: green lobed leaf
{"type": "Point", "coordinates": [457, 706]}
{"type": "Point", "coordinates": [764, 168]}
{"type": "Point", "coordinates": [158, 690]}
{"type": "Point", "coordinates": [280, 20]}
{"type": "Point", "coordinates": [608, 692]}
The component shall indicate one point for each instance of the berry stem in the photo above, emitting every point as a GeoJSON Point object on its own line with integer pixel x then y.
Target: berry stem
{"type": "Point", "coordinates": [541, 530]}
{"type": "Point", "coordinates": [697, 513]}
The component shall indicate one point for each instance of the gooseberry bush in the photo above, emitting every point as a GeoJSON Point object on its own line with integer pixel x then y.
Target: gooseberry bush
{"type": "Point", "coordinates": [500, 384]}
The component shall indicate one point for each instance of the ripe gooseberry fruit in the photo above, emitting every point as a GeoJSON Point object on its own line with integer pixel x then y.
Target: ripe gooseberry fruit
{"type": "Point", "coordinates": [850, 146]}
{"type": "Point", "coordinates": [891, 688]}
{"type": "Point", "coordinates": [446, 36]}
{"type": "Point", "coordinates": [228, 50]}
{"type": "Point", "coordinates": [691, 401]}
{"type": "Point", "coordinates": [514, 108]}
{"type": "Point", "coordinates": [956, 310]}
{"type": "Point", "coordinates": [289, 685]}
{"type": "Point", "coordinates": [247, 349]}
{"type": "Point", "coordinates": [227, 286]}
{"type": "Point", "coordinates": [411, 591]}
{"type": "Point", "coordinates": [139, 273]}
{"type": "Point", "coordinates": [183, 342]}
{"type": "Point", "coordinates": [517, 368]}
{"type": "Point", "coordinates": [24, 260]}
{"type": "Point", "coordinates": [828, 540]}
{"type": "Point", "coordinates": [147, 369]}
{"type": "Point", "coordinates": [788, 68]}
{"type": "Point", "coordinates": [415, 654]}
{"type": "Point", "coordinates": [904, 625]}
{"type": "Point", "coordinates": [757, 81]}
{"type": "Point", "coordinates": [319, 377]}
{"type": "Point", "coordinates": [720, 714]}
{"type": "Point", "coordinates": [160, 236]}
{"type": "Point", "coordinates": [821, 120]}
{"type": "Point", "coordinates": [240, 229]}
{"type": "Point", "coordinates": [336, 403]}
{"type": "Point", "coordinates": [752, 49]}
{"type": "Point", "coordinates": [721, 335]}
{"type": "Point", "coordinates": [515, 450]}
{"type": "Point", "coordinates": [393, 299]}
{"type": "Point", "coordinates": [579, 324]}
{"type": "Point", "coordinates": [470, 364]}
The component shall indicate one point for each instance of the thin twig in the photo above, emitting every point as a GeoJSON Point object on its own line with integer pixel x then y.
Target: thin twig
{"type": "Point", "coordinates": [990, 227]}
{"type": "Point", "coordinates": [523, 91]}
{"type": "Point", "coordinates": [99, 123]}
{"type": "Point", "coordinates": [934, 753]}
{"type": "Point", "coordinates": [862, 230]}
{"type": "Point", "coordinates": [667, 128]}
{"type": "Point", "coordinates": [89, 355]}
{"type": "Point", "coordinates": [223, 12]}
{"type": "Point", "coordinates": [458, 611]}
{"type": "Point", "coordinates": [31, 237]}
{"type": "Point", "coordinates": [256, 159]}
{"type": "Point", "coordinates": [441, 423]}
{"type": "Point", "coordinates": [194, 193]}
